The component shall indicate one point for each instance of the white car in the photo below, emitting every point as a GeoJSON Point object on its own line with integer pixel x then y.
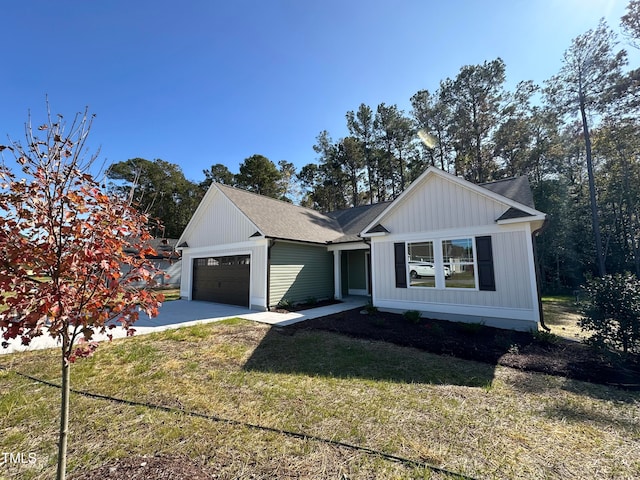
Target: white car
{"type": "Point", "coordinates": [425, 269]}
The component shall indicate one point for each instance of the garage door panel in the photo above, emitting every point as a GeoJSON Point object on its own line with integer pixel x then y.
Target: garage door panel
{"type": "Point", "coordinates": [222, 279]}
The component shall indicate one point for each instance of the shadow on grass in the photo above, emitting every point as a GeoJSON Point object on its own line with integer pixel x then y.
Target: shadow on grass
{"type": "Point", "coordinates": [326, 354]}
{"type": "Point", "coordinates": [575, 412]}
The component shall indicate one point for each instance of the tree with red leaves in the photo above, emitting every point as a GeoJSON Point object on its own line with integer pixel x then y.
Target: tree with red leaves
{"type": "Point", "coordinates": [64, 271]}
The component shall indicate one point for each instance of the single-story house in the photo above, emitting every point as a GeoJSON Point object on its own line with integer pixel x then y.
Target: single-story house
{"type": "Point", "coordinates": [446, 247]}
{"type": "Point", "coordinates": [166, 259]}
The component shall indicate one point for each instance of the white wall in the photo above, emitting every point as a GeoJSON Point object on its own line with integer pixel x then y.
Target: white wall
{"type": "Point", "coordinates": [512, 305]}
{"type": "Point", "coordinates": [440, 204]}
{"type": "Point", "coordinates": [217, 222]}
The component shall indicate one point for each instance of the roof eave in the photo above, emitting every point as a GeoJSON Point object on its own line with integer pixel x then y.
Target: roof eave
{"type": "Point", "coordinates": [527, 219]}
{"type": "Point", "coordinates": [296, 240]}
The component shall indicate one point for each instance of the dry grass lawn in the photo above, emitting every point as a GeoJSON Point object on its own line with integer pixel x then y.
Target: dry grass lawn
{"type": "Point", "coordinates": [561, 316]}
{"type": "Point", "coordinates": [476, 419]}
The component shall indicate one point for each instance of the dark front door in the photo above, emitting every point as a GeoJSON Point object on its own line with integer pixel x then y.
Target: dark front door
{"type": "Point", "coordinates": [222, 279]}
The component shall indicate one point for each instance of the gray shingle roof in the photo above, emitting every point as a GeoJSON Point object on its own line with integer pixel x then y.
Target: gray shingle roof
{"type": "Point", "coordinates": [283, 220]}
{"type": "Point", "coordinates": [165, 248]}
{"type": "Point", "coordinates": [513, 213]}
{"type": "Point", "coordinates": [353, 220]}
{"type": "Point", "coordinates": [516, 188]}
{"type": "Point", "coordinates": [278, 219]}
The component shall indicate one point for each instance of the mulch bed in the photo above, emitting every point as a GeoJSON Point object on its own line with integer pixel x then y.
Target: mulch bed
{"type": "Point", "coordinates": [540, 352]}
{"type": "Point", "coordinates": [159, 467]}
{"type": "Point", "coordinates": [305, 306]}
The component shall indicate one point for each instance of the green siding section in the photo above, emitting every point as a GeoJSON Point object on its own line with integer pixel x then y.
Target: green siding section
{"type": "Point", "coordinates": [357, 270]}
{"type": "Point", "coordinates": [299, 272]}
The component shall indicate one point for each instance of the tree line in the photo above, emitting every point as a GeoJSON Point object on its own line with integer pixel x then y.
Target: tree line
{"type": "Point", "coordinates": [576, 137]}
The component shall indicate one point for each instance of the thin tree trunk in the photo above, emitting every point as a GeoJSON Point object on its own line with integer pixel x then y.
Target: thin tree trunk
{"type": "Point", "coordinates": [367, 160]}
{"type": "Point", "coordinates": [592, 192]}
{"type": "Point", "coordinates": [64, 414]}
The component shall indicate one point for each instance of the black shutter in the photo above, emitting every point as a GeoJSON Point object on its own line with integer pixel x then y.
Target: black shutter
{"type": "Point", "coordinates": [401, 264]}
{"type": "Point", "coordinates": [484, 254]}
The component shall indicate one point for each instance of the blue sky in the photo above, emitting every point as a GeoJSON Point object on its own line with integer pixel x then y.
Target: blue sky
{"type": "Point", "coordinates": [201, 82]}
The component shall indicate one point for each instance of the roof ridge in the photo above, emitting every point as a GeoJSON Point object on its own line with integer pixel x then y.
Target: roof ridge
{"type": "Point", "coordinates": [515, 177]}
{"type": "Point", "coordinates": [368, 205]}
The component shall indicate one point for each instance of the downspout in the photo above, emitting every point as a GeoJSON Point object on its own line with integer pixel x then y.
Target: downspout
{"type": "Point", "coordinates": [534, 234]}
{"type": "Point", "coordinates": [269, 245]}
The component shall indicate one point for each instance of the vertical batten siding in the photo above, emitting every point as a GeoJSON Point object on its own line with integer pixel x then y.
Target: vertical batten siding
{"type": "Point", "coordinates": [300, 272]}
{"type": "Point", "coordinates": [258, 252]}
{"type": "Point", "coordinates": [219, 222]}
{"type": "Point", "coordinates": [441, 204]}
{"type": "Point", "coordinates": [512, 275]}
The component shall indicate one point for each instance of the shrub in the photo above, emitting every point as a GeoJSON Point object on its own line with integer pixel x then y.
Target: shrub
{"type": "Point", "coordinates": [311, 301]}
{"type": "Point", "coordinates": [370, 308]}
{"type": "Point", "coordinates": [285, 304]}
{"type": "Point", "coordinates": [611, 310]}
{"type": "Point", "coordinates": [545, 337]}
{"type": "Point", "coordinates": [435, 330]}
{"type": "Point", "coordinates": [412, 315]}
{"type": "Point", "coordinates": [470, 328]}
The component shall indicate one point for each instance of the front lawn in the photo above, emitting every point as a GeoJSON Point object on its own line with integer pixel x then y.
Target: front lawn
{"type": "Point", "coordinates": [478, 419]}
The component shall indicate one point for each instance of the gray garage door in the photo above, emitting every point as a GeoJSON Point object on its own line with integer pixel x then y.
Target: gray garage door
{"type": "Point", "coordinates": [222, 279]}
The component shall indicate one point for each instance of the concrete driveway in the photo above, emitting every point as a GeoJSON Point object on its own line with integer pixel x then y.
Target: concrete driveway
{"type": "Point", "coordinates": [181, 313]}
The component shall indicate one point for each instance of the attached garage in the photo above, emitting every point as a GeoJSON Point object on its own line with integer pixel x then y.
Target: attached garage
{"type": "Point", "coordinates": [222, 279]}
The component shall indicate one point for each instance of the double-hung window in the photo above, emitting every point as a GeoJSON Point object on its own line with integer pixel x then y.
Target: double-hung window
{"type": "Point", "coordinates": [459, 263]}
{"type": "Point", "coordinates": [421, 264]}
{"type": "Point", "coordinates": [443, 263]}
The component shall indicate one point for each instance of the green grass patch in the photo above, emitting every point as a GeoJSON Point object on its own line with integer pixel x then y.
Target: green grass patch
{"type": "Point", "coordinates": [170, 294]}
{"type": "Point", "coordinates": [561, 315]}
{"type": "Point", "coordinates": [473, 418]}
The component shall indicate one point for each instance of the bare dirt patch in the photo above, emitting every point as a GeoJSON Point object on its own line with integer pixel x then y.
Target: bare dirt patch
{"type": "Point", "coordinates": [161, 467]}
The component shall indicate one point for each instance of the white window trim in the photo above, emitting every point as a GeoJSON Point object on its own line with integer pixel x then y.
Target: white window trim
{"type": "Point", "coordinates": [438, 264]}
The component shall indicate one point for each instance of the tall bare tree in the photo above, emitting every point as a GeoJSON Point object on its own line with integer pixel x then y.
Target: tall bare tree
{"type": "Point", "coordinates": [590, 68]}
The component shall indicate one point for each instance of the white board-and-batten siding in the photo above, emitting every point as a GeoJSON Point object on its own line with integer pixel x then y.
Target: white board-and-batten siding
{"type": "Point", "coordinates": [442, 205]}
{"type": "Point", "coordinates": [441, 210]}
{"type": "Point", "coordinates": [511, 275]}
{"type": "Point", "coordinates": [512, 305]}
{"type": "Point", "coordinates": [218, 222]}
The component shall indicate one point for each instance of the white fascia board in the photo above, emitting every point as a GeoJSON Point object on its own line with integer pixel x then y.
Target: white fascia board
{"type": "Point", "coordinates": [347, 246]}
{"type": "Point", "coordinates": [194, 251]}
{"type": "Point", "coordinates": [374, 234]}
{"type": "Point", "coordinates": [453, 232]}
{"type": "Point", "coordinates": [529, 220]}
{"type": "Point", "coordinates": [460, 181]}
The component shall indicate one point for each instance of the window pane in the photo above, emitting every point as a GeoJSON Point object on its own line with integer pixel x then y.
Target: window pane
{"type": "Point", "coordinates": [460, 249]}
{"type": "Point", "coordinates": [459, 268]}
{"type": "Point", "coordinates": [421, 265]}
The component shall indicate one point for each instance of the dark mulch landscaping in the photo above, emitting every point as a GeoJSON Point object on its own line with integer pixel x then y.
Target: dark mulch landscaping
{"type": "Point", "coordinates": [305, 306]}
{"type": "Point", "coordinates": [538, 352]}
